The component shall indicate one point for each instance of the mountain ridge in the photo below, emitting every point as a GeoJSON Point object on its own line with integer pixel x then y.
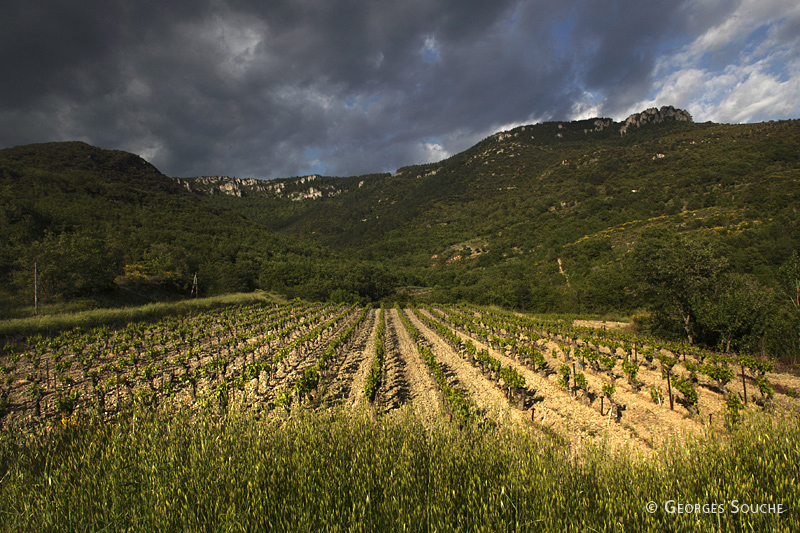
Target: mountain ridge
{"type": "Point", "coordinates": [275, 188]}
{"type": "Point", "coordinates": [505, 222]}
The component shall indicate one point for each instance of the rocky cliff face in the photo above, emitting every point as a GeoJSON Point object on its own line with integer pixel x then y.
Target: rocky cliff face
{"type": "Point", "coordinates": [654, 116]}
{"type": "Point", "coordinates": [502, 145]}
{"type": "Point", "coordinates": [230, 186]}
{"type": "Point", "coordinates": [292, 188]}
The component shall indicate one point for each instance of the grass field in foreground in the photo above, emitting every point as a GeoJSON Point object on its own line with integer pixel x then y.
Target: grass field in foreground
{"type": "Point", "coordinates": [345, 471]}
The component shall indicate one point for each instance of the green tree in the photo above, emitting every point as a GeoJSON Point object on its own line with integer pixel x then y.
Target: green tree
{"type": "Point", "coordinates": [68, 265]}
{"type": "Point", "coordinates": [737, 315]}
{"type": "Point", "coordinates": [678, 276]}
{"type": "Point", "coordinates": [789, 280]}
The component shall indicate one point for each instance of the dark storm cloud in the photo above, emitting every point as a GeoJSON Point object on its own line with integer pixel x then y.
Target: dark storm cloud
{"type": "Point", "coordinates": [620, 41]}
{"type": "Point", "coordinates": [280, 88]}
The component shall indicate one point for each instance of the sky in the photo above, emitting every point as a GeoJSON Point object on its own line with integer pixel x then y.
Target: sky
{"type": "Point", "coordinates": [280, 88]}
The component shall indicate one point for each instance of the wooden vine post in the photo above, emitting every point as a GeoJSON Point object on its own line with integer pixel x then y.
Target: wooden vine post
{"type": "Point", "coordinates": [574, 382]}
{"type": "Point", "coordinates": [35, 289]}
{"type": "Point", "coordinates": [669, 388]}
{"type": "Point", "coordinates": [744, 386]}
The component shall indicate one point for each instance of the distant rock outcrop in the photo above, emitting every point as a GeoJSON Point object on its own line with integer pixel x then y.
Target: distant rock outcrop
{"type": "Point", "coordinates": [230, 186]}
{"type": "Point", "coordinates": [654, 116]}
{"type": "Point", "coordinates": [299, 188]}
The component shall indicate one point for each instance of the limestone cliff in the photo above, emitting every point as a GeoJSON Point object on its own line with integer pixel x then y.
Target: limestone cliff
{"type": "Point", "coordinates": [299, 188]}
{"type": "Point", "coordinates": [654, 116]}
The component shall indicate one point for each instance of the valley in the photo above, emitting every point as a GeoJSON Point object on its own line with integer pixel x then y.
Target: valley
{"type": "Point", "coordinates": [550, 330]}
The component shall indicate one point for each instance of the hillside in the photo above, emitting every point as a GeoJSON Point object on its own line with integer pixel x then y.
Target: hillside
{"type": "Point", "coordinates": [545, 217]}
{"type": "Point", "coordinates": [105, 227]}
{"type": "Point", "coordinates": [92, 164]}
{"type": "Point", "coordinates": [549, 185]}
{"type": "Point", "coordinates": [581, 192]}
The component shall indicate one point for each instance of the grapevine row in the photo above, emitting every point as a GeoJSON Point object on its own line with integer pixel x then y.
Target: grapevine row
{"type": "Point", "coordinates": [373, 381]}
{"type": "Point", "coordinates": [507, 378]}
{"type": "Point", "coordinates": [457, 400]}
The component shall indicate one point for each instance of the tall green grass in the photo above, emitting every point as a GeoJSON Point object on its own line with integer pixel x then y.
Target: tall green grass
{"type": "Point", "coordinates": [340, 471]}
{"type": "Point", "coordinates": [123, 315]}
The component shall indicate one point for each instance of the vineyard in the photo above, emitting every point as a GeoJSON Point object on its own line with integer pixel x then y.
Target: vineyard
{"type": "Point", "coordinates": [305, 416]}
{"type": "Point", "coordinates": [445, 362]}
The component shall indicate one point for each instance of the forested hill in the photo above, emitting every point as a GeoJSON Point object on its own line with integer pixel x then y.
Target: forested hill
{"type": "Point", "coordinates": [543, 187]}
{"type": "Point", "coordinates": [87, 163]}
{"type": "Point", "coordinates": [560, 216]}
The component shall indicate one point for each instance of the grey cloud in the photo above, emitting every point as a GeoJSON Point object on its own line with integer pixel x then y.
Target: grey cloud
{"type": "Point", "coordinates": [253, 88]}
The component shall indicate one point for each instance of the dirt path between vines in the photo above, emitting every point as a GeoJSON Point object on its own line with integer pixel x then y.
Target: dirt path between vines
{"type": "Point", "coordinates": [652, 423]}
{"type": "Point", "coordinates": [347, 386]}
{"type": "Point", "coordinates": [657, 423]}
{"type": "Point", "coordinates": [418, 387]}
{"type": "Point", "coordinates": [394, 390]}
{"type": "Point", "coordinates": [558, 410]}
{"type": "Point", "coordinates": [600, 324]}
{"type": "Point", "coordinates": [458, 371]}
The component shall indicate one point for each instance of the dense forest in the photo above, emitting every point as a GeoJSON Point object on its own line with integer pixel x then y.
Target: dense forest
{"type": "Point", "coordinates": [690, 228]}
